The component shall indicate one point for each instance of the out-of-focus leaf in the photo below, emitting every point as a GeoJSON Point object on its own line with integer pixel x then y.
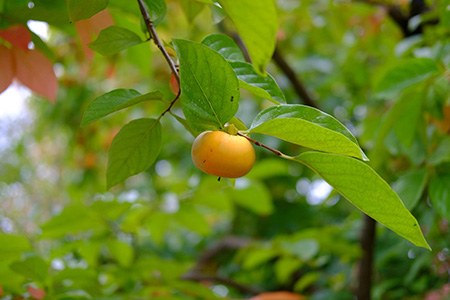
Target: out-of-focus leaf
{"type": "Point", "coordinates": [365, 189]}
{"type": "Point", "coordinates": [308, 127]}
{"type": "Point", "coordinates": [257, 24]}
{"type": "Point", "coordinates": [133, 150]}
{"type": "Point", "coordinates": [441, 153]}
{"type": "Point", "coordinates": [191, 9]}
{"type": "Point", "coordinates": [33, 267]}
{"type": "Point", "coordinates": [84, 9]}
{"type": "Point", "coordinates": [209, 97]}
{"type": "Point", "coordinates": [7, 63]}
{"type": "Point", "coordinates": [114, 39]}
{"type": "Point", "coordinates": [407, 73]}
{"type": "Point", "coordinates": [12, 246]}
{"type": "Point", "coordinates": [285, 268]}
{"type": "Point", "coordinates": [122, 252]}
{"type": "Point", "coordinates": [157, 10]}
{"type": "Point", "coordinates": [252, 195]}
{"type": "Point", "coordinates": [304, 249]}
{"type": "Point", "coordinates": [410, 187]}
{"type": "Point", "coordinates": [257, 256]}
{"type": "Point", "coordinates": [225, 46]}
{"type": "Point", "coordinates": [262, 86]}
{"type": "Point", "coordinates": [114, 101]}
{"type": "Point", "coordinates": [17, 35]}
{"type": "Point", "coordinates": [407, 122]}
{"type": "Point", "coordinates": [440, 195]}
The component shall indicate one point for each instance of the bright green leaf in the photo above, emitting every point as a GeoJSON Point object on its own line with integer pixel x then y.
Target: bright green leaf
{"type": "Point", "coordinates": [114, 101]}
{"type": "Point", "coordinates": [257, 24]}
{"type": "Point", "coordinates": [308, 127]}
{"type": "Point", "coordinates": [191, 9]}
{"type": "Point", "coordinates": [33, 267]}
{"type": "Point", "coordinates": [157, 10]}
{"type": "Point", "coordinates": [365, 189]}
{"type": "Point", "coordinates": [225, 46]}
{"type": "Point", "coordinates": [209, 86]}
{"type": "Point", "coordinates": [285, 268]}
{"type": "Point", "coordinates": [252, 195]}
{"type": "Point", "coordinates": [258, 256]}
{"type": "Point", "coordinates": [84, 9]}
{"type": "Point", "coordinates": [303, 249]}
{"type": "Point", "coordinates": [12, 246]}
{"type": "Point", "coordinates": [409, 72]}
{"type": "Point", "coordinates": [133, 150]}
{"type": "Point", "coordinates": [114, 39]}
{"type": "Point", "coordinates": [440, 195]}
{"type": "Point", "coordinates": [122, 252]}
{"type": "Point", "coordinates": [410, 187]}
{"type": "Point", "coordinates": [262, 86]}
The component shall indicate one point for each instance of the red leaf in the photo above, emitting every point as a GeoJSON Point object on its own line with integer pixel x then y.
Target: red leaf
{"type": "Point", "coordinates": [36, 293]}
{"type": "Point", "coordinates": [18, 36]}
{"type": "Point", "coordinates": [7, 67]}
{"type": "Point", "coordinates": [89, 29]}
{"type": "Point", "coordinates": [35, 71]}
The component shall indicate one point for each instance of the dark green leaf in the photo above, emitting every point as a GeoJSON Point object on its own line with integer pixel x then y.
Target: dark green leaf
{"type": "Point", "coordinates": [52, 12]}
{"type": "Point", "coordinates": [257, 24]}
{"type": "Point", "coordinates": [440, 195]}
{"type": "Point", "coordinates": [33, 267]}
{"type": "Point", "coordinates": [209, 86]}
{"type": "Point", "coordinates": [114, 101]}
{"type": "Point", "coordinates": [408, 120]}
{"type": "Point", "coordinates": [410, 72]}
{"type": "Point", "coordinates": [308, 127]}
{"type": "Point", "coordinates": [12, 246]}
{"type": "Point", "coordinates": [84, 9]}
{"type": "Point", "coordinates": [114, 39]}
{"type": "Point", "coordinates": [410, 187]}
{"type": "Point", "coordinates": [133, 150]}
{"type": "Point", "coordinates": [225, 46]}
{"type": "Point", "coordinates": [157, 10]}
{"type": "Point", "coordinates": [262, 86]}
{"type": "Point", "coordinates": [441, 153]}
{"type": "Point", "coordinates": [365, 189]}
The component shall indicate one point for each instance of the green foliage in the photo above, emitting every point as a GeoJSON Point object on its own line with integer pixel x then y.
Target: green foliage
{"type": "Point", "coordinates": [163, 230]}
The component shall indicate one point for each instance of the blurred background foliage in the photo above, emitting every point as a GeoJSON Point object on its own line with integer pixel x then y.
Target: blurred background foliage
{"type": "Point", "coordinates": [174, 233]}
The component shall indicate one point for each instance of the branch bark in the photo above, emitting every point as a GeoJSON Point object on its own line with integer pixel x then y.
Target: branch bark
{"type": "Point", "coordinates": [365, 269]}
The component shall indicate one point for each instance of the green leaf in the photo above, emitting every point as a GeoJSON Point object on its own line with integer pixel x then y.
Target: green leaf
{"type": "Point", "coordinates": [410, 187]}
{"type": "Point", "coordinates": [12, 246]}
{"type": "Point", "coordinates": [408, 120]}
{"type": "Point", "coordinates": [252, 195]}
{"type": "Point", "coordinates": [33, 267]}
{"type": "Point", "coordinates": [441, 153]}
{"type": "Point", "coordinates": [304, 249]}
{"type": "Point", "coordinates": [122, 252]}
{"type": "Point", "coordinates": [209, 86]}
{"type": "Point", "coordinates": [308, 127]}
{"type": "Point", "coordinates": [410, 72]}
{"type": "Point", "coordinates": [133, 150]}
{"type": "Point", "coordinates": [83, 9]}
{"type": "Point", "coordinates": [114, 101]}
{"type": "Point", "coordinates": [225, 46]}
{"type": "Point", "coordinates": [285, 268]}
{"type": "Point", "coordinates": [366, 190]}
{"type": "Point", "coordinates": [191, 9]}
{"type": "Point", "coordinates": [114, 39]}
{"type": "Point", "coordinates": [157, 10]}
{"type": "Point", "coordinates": [440, 195]}
{"type": "Point", "coordinates": [261, 86]}
{"type": "Point", "coordinates": [257, 24]}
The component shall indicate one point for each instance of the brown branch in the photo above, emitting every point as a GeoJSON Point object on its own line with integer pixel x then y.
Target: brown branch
{"type": "Point", "coordinates": [367, 241]}
{"type": "Point", "coordinates": [257, 143]}
{"type": "Point", "coordinates": [157, 41]}
{"type": "Point", "coordinates": [297, 84]}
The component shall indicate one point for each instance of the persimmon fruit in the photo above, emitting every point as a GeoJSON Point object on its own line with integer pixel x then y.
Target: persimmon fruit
{"type": "Point", "coordinates": [222, 154]}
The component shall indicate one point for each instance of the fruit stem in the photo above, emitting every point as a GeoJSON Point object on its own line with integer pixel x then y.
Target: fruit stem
{"type": "Point", "coordinates": [258, 143]}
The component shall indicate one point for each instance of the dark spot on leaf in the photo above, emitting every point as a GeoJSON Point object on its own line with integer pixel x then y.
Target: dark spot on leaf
{"type": "Point", "coordinates": [232, 98]}
{"type": "Point", "coordinates": [204, 161]}
{"type": "Point", "coordinates": [218, 178]}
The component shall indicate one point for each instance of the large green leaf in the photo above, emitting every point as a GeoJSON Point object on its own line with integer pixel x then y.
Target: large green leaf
{"type": "Point", "coordinates": [257, 24]}
{"type": "Point", "coordinates": [407, 73]}
{"type": "Point", "coordinates": [114, 101]}
{"type": "Point", "coordinates": [225, 46]}
{"type": "Point", "coordinates": [209, 86]}
{"type": "Point", "coordinates": [308, 127]}
{"type": "Point", "coordinates": [133, 150]}
{"type": "Point", "coordinates": [157, 10]}
{"type": "Point", "coordinates": [440, 195]}
{"type": "Point", "coordinates": [365, 189]}
{"type": "Point", "coordinates": [83, 9]}
{"type": "Point", "coordinates": [114, 39]}
{"type": "Point", "coordinates": [262, 86]}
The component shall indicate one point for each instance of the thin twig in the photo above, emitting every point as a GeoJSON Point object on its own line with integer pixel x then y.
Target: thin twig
{"type": "Point", "coordinates": [257, 143]}
{"type": "Point", "coordinates": [156, 40]}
